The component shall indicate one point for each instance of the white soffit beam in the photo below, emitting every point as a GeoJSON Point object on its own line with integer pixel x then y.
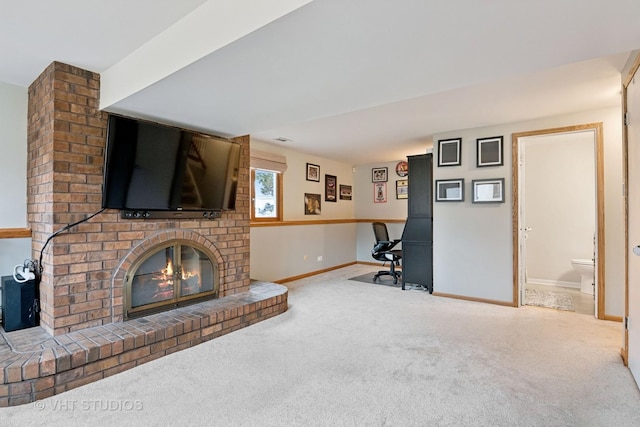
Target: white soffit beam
{"type": "Point", "coordinates": [208, 28]}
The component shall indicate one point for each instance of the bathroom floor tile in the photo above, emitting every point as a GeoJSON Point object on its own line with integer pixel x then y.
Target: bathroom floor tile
{"type": "Point", "coordinates": [583, 303]}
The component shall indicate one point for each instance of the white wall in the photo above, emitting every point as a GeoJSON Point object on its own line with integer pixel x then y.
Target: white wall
{"type": "Point", "coordinates": [560, 208]}
{"type": "Point", "coordinates": [473, 243]}
{"type": "Point", "coordinates": [281, 252]}
{"type": "Point", "coordinates": [13, 174]}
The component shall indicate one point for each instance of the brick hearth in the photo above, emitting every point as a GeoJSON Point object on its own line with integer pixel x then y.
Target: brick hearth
{"type": "Point", "coordinates": [81, 292]}
{"type": "Point", "coordinates": [35, 365]}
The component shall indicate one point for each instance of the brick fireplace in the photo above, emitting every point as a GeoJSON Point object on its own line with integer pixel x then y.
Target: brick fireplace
{"type": "Point", "coordinates": [82, 282]}
{"type": "Point", "coordinates": [82, 291]}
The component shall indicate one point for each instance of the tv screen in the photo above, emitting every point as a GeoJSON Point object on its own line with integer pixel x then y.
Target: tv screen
{"type": "Point", "coordinates": [149, 166]}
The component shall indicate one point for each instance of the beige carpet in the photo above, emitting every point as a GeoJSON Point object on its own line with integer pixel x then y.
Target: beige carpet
{"type": "Point", "coordinates": [352, 354]}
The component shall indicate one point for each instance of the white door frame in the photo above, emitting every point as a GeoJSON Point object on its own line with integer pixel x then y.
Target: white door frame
{"type": "Point", "coordinates": [518, 233]}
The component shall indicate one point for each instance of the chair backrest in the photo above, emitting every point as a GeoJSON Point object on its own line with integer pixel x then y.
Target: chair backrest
{"type": "Point", "coordinates": [380, 231]}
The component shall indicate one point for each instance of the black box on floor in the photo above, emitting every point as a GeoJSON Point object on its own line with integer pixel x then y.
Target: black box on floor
{"type": "Point", "coordinates": [18, 304]}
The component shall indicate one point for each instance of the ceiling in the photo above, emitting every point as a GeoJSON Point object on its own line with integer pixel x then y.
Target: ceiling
{"type": "Point", "coordinates": [359, 81]}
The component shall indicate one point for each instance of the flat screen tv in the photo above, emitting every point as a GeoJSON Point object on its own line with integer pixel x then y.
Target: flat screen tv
{"type": "Point", "coordinates": [154, 167]}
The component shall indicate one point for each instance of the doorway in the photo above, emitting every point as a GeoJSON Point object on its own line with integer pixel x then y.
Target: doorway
{"type": "Point", "coordinates": [552, 212]}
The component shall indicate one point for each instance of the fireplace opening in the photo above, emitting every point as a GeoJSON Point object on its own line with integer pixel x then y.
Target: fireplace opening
{"type": "Point", "coordinates": [169, 276]}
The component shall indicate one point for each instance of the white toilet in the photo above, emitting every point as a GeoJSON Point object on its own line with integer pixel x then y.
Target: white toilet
{"type": "Point", "coordinates": [585, 268]}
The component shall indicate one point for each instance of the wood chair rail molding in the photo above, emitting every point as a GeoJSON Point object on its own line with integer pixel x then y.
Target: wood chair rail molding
{"type": "Point", "coordinates": [14, 233]}
{"type": "Point", "coordinates": [323, 222]}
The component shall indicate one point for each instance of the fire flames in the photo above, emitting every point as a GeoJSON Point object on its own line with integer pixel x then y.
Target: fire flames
{"type": "Point", "coordinates": [167, 282]}
{"type": "Point", "coordinates": [167, 272]}
{"type": "Point", "coordinates": [190, 281]}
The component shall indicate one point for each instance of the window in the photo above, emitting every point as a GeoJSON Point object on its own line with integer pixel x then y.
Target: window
{"type": "Point", "coordinates": [266, 195]}
{"type": "Point", "coordinates": [266, 185]}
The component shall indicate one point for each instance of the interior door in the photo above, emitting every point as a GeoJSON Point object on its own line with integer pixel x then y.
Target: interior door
{"type": "Point", "coordinates": [633, 283]}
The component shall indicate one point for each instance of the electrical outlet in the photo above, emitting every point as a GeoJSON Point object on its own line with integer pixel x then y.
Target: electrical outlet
{"type": "Point", "coordinates": [306, 257]}
{"type": "Point", "coordinates": [320, 258]}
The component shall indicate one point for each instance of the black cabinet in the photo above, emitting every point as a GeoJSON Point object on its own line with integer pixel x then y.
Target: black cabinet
{"type": "Point", "coordinates": [420, 185]}
{"type": "Point", "coordinates": [417, 238]}
{"type": "Point", "coordinates": [19, 310]}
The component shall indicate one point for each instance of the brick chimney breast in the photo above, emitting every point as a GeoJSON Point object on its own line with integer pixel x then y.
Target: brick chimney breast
{"type": "Point", "coordinates": [81, 285]}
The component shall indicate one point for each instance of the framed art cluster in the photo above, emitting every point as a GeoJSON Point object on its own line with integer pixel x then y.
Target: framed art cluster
{"type": "Point", "coordinates": [380, 177]}
{"type": "Point", "coordinates": [482, 190]}
{"type": "Point", "coordinates": [489, 153]}
{"type": "Point", "coordinates": [332, 191]}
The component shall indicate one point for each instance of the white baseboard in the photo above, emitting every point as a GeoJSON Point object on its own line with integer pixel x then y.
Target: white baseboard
{"type": "Point", "coordinates": [554, 283]}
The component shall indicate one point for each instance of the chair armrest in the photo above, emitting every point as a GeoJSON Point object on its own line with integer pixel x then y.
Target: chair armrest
{"type": "Point", "coordinates": [394, 243]}
{"type": "Point", "coordinates": [381, 246]}
{"type": "Point", "coordinates": [385, 245]}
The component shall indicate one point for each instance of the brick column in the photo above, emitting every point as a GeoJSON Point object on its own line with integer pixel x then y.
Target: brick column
{"type": "Point", "coordinates": [66, 139]}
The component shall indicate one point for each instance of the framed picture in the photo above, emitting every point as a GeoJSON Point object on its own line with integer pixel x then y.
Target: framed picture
{"type": "Point", "coordinates": [330, 188]}
{"type": "Point", "coordinates": [402, 169]}
{"type": "Point", "coordinates": [345, 192]}
{"type": "Point", "coordinates": [450, 190]}
{"type": "Point", "coordinates": [402, 189]}
{"type": "Point", "coordinates": [313, 172]}
{"type": "Point", "coordinates": [311, 204]}
{"type": "Point", "coordinates": [379, 175]}
{"type": "Point", "coordinates": [449, 152]}
{"type": "Point", "coordinates": [488, 190]}
{"type": "Point", "coordinates": [380, 192]}
{"type": "Point", "coordinates": [489, 151]}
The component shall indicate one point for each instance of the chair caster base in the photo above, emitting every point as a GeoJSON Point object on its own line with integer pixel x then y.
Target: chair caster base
{"type": "Point", "coordinates": [396, 276]}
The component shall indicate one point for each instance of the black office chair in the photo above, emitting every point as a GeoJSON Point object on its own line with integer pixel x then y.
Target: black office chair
{"type": "Point", "coordinates": [383, 251]}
